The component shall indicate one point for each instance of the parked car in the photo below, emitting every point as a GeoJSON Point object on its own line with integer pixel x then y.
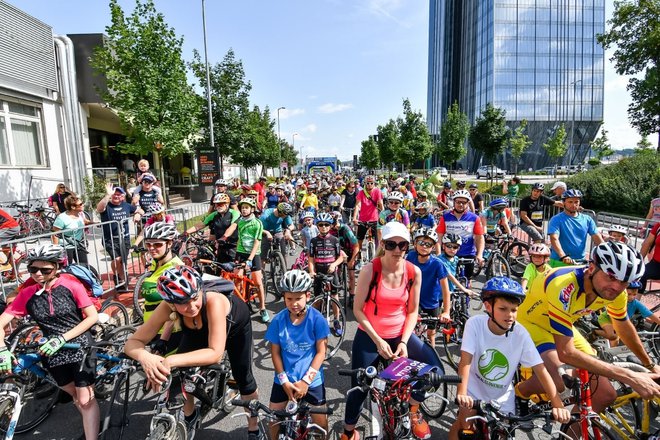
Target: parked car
{"type": "Point", "coordinates": [442, 170]}
{"type": "Point", "coordinates": [488, 171]}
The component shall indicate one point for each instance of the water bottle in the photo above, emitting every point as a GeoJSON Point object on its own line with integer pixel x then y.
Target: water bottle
{"type": "Point", "coordinates": [486, 254]}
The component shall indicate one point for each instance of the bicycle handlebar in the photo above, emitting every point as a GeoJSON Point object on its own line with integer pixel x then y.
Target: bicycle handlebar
{"type": "Point", "coordinates": [432, 378]}
{"type": "Point", "coordinates": [293, 408]}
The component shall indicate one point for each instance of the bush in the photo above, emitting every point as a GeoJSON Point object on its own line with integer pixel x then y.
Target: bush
{"type": "Point", "coordinates": [626, 187]}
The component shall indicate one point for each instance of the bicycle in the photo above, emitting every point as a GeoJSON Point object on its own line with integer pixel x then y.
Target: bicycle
{"type": "Point", "coordinates": [277, 265]}
{"type": "Point", "coordinates": [370, 242]}
{"type": "Point", "coordinates": [388, 392]}
{"type": "Point", "coordinates": [328, 306]}
{"type": "Point", "coordinates": [302, 262]}
{"type": "Point", "coordinates": [295, 421]}
{"type": "Point", "coordinates": [495, 263]}
{"type": "Point", "coordinates": [465, 281]}
{"type": "Point", "coordinates": [244, 287]}
{"type": "Point", "coordinates": [516, 253]}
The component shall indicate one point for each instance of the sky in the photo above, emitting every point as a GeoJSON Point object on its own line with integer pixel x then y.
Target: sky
{"type": "Point", "coordinates": [339, 67]}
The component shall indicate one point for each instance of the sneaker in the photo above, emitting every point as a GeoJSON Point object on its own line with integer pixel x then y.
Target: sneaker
{"type": "Point", "coordinates": [265, 317]}
{"type": "Point", "coordinates": [336, 328]}
{"type": "Point", "coordinates": [355, 436]}
{"type": "Point", "coordinates": [191, 424]}
{"type": "Point", "coordinates": [420, 428]}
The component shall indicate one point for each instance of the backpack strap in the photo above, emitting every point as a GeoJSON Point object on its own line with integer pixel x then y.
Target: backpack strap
{"type": "Point", "coordinates": [376, 277]}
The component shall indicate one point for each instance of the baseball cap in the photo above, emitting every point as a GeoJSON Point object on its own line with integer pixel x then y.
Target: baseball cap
{"type": "Point", "coordinates": [148, 177]}
{"type": "Point", "coordinates": [559, 184]}
{"type": "Point", "coordinates": [395, 229]}
{"type": "Point", "coordinates": [120, 189]}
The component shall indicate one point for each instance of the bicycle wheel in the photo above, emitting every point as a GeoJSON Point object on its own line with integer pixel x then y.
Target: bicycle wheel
{"type": "Point", "coordinates": [518, 258]}
{"type": "Point", "coordinates": [138, 311]}
{"type": "Point", "coordinates": [595, 431]}
{"type": "Point", "coordinates": [117, 312]}
{"type": "Point", "coordinates": [653, 342]}
{"type": "Point", "coordinates": [498, 267]}
{"type": "Point", "coordinates": [160, 432]}
{"type": "Point", "coordinates": [434, 406]}
{"type": "Point", "coordinates": [326, 306]}
{"type": "Point", "coordinates": [452, 342]}
{"type": "Point", "coordinates": [277, 271]}
{"type": "Point", "coordinates": [115, 419]}
{"type": "Point", "coordinates": [624, 412]}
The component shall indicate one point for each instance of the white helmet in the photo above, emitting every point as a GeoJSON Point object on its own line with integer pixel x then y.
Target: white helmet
{"type": "Point", "coordinates": [426, 232]}
{"type": "Point", "coordinates": [308, 214]}
{"type": "Point", "coordinates": [396, 196]}
{"type": "Point", "coordinates": [462, 194]}
{"type": "Point", "coordinates": [618, 259]}
{"type": "Point", "coordinates": [296, 281]}
{"type": "Point", "coordinates": [53, 253]}
{"type": "Point", "coordinates": [618, 228]}
{"type": "Point", "coordinates": [160, 231]}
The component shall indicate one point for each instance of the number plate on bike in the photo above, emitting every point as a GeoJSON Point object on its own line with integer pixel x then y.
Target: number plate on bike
{"type": "Point", "coordinates": [379, 384]}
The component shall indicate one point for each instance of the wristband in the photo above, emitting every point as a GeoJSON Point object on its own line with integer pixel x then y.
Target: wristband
{"type": "Point", "coordinates": [403, 342]}
{"type": "Point", "coordinates": [308, 378]}
{"type": "Point", "coordinates": [562, 258]}
{"type": "Point", "coordinates": [650, 366]}
{"type": "Point", "coordinates": [282, 377]}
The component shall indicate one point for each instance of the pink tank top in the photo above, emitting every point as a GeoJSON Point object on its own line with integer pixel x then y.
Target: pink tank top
{"type": "Point", "coordinates": [392, 309]}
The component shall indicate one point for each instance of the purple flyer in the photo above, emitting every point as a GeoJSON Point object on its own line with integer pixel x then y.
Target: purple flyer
{"type": "Point", "coordinates": [402, 367]}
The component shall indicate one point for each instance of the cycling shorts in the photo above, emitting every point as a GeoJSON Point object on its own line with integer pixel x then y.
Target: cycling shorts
{"type": "Point", "coordinates": [315, 396]}
{"type": "Point", "coordinates": [544, 340]}
{"type": "Point", "coordinates": [363, 227]}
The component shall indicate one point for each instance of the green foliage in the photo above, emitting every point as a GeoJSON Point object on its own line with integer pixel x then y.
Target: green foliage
{"type": "Point", "coordinates": [260, 142]}
{"type": "Point", "coordinates": [414, 140]}
{"type": "Point", "coordinates": [453, 133]}
{"type": "Point", "coordinates": [289, 154]}
{"type": "Point", "coordinates": [519, 142]}
{"type": "Point", "coordinates": [230, 102]}
{"type": "Point", "coordinates": [635, 33]}
{"type": "Point", "coordinates": [95, 190]}
{"type": "Point", "coordinates": [388, 142]}
{"type": "Point", "coordinates": [644, 144]}
{"type": "Point", "coordinates": [146, 78]}
{"type": "Point", "coordinates": [556, 146]}
{"type": "Point", "coordinates": [625, 187]}
{"type": "Point", "coordinates": [601, 148]}
{"type": "Point", "coordinates": [488, 134]}
{"type": "Point", "coordinates": [369, 157]}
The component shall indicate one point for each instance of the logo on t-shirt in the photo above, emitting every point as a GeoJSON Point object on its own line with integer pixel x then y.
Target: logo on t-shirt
{"type": "Point", "coordinates": [565, 295]}
{"type": "Point", "coordinates": [493, 365]}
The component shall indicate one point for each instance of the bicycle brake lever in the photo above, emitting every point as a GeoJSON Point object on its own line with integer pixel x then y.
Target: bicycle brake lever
{"type": "Point", "coordinates": [314, 425]}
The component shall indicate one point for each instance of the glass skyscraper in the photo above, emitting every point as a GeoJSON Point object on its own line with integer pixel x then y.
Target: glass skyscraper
{"type": "Point", "coordinates": [536, 59]}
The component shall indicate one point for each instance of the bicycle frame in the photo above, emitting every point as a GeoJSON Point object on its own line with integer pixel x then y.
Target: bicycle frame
{"type": "Point", "coordinates": [14, 393]}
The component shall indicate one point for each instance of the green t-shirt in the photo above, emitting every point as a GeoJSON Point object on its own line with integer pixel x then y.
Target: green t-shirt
{"type": "Point", "coordinates": [249, 230]}
{"type": "Point", "coordinates": [531, 273]}
{"type": "Point", "coordinates": [513, 192]}
{"type": "Point", "coordinates": [148, 290]}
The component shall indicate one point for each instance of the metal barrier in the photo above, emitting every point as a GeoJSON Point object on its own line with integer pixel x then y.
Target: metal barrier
{"type": "Point", "coordinates": [637, 227]}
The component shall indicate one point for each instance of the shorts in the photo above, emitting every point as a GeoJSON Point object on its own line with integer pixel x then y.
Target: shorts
{"type": "Point", "coordinates": [113, 248]}
{"type": "Point", "coordinates": [362, 230]}
{"type": "Point", "coordinates": [256, 261]}
{"type": "Point", "coordinates": [544, 340]}
{"type": "Point", "coordinates": [315, 396]}
{"type": "Point", "coordinates": [81, 376]}
{"type": "Point", "coordinates": [431, 312]}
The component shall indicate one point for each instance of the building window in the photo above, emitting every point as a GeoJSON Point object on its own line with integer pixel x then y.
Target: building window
{"type": "Point", "coordinates": [21, 135]}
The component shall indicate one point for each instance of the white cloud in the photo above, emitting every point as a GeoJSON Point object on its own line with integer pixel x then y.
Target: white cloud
{"type": "Point", "coordinates": [289, 113]}
{"type": "Point", "coordinates": [334, 108]}
{"type": "Point", "coordinates": [310, 128]}
{"type": "Point", "coordinates": [385, 9]}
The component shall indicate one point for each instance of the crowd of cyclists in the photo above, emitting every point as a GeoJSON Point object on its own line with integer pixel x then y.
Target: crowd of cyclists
{"type": "Point", "coordinates": [419, 239]}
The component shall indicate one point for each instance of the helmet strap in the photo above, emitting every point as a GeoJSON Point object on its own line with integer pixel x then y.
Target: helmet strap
{"type": "Point", "coordinates": [492, 318]}
{"type": "Point", "coordinates": [168, 248]}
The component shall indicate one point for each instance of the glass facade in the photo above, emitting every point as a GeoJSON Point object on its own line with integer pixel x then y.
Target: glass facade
{"type": "Point", "coordinates": [536, 59]}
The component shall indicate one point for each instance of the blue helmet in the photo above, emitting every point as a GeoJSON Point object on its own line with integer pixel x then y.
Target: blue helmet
{"type": "Point", "coordinates": [572, 193]}
{"type": "Point", "coordinates": [499, 203]}
{"type": "Point", "coordinates": [502, 287]}
{"type": "Point", "coordinates": [635, 285]}
{"type": "Point", "coordinates": [324, 217]}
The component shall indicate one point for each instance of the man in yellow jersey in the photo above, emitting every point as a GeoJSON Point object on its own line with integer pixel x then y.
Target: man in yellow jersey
{"type": "Point", "coordinates": [559, 297]}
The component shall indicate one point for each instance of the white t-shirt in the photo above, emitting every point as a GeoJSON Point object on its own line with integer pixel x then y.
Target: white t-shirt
{"type": "Point", "coordinates": [497, 359]}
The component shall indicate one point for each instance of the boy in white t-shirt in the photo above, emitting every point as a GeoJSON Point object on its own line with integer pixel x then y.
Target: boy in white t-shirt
{"type": "Point", "coordinates": [492, 348]}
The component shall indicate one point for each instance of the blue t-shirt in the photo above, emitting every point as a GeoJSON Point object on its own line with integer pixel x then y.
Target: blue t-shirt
{"type": "Point", "coordinates": [307, 233]}
{"type": "Point", "coordinates": [298, 343]}
{"type": "Point", "coordinates": [272, 223]}
{"type": "Point", "coordinates": [427, 221]}
{"type": "Point", "coordinates": [121, 213]}
{"type": "Point", "coordinates": [450, 268]}
{"type": "Point", "coordinates": [573, 233]}
{"type": "Point", "coordinates": [635, 307]}
{"type": "Point", "coordinates": [430, 295]}
{"type": "Point", "coordinates": [272, 200]}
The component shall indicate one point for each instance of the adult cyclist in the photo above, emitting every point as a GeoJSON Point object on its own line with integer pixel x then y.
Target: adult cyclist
{"type": "Point", "coordinates": [558, 298]}
{"type": "Point", "coordinates": [277, 225]}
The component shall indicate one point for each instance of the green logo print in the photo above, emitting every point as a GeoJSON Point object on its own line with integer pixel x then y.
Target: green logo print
{"type": "Point", "coordinates": [493, 365]}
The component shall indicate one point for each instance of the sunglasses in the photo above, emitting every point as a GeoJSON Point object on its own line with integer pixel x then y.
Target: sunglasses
{"type": "Point", "coordinates": [452, 246]}
{"type": "Point", "coordinates": [460, 202]}
{"type": "Point", "coordinates": [43, 270]}
{"type": "Point", "coordinates": [323, 225]}
{"type": "Point", "coordinates": [391, 245]}
{"type": "Point", "coordinates": [78, 205]}
{"type": "Point", "coordinates": [369, 183]}
{"type": "Point", "coordinates": [393, 202]}
{"type": "Point", "coordinates": [426, 244]}
{"type": "Point", "coordinates": [154, 244]}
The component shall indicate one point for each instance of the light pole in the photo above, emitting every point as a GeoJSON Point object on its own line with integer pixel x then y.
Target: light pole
{"type": "Point", "coordinates": [279, 137]}
{"type": "Point", "coordinates": [218, 161]}
{"type": "Point", "coordinates": [570, 146]}
{"type": "Point", "coordinates": [293, 145]}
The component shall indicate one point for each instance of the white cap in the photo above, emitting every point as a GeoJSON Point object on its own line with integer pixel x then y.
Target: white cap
{"type": "Point", "coordinates": [558, 184]}
{"type": "Point", "coordinates": [395, 229]}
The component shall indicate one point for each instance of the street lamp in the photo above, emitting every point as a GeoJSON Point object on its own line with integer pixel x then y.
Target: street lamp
{"type": "Point", "coordinates": [218, 163]}
{"type": "Point", "coordinates": [279, 137]}
{"type": "Point", "coordinates": [293, 145]}
{"type": "Point", "coordinates": [570, 146]}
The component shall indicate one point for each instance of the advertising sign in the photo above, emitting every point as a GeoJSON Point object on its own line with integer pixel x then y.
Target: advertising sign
{"type": "Point", "coordinates": [206, 160]}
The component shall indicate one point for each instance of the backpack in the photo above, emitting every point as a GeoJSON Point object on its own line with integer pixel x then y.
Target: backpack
{"type": "Point", "coordinates": [377, 276]}
{"type": "Point", "coordinates": [87, 278]}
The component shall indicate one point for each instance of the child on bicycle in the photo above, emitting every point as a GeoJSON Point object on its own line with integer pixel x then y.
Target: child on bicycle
{"type": "Point", "coordinates": [451, 243]}
{"type": "Point", "coordinates": [325, 256]}
{"type": "Point", "coordinates": [434, 295]}
{"type": "Point", "coordinates": [422, 217]}
{"type": "Point", "coordinates": [494, 219]}
{"type": "Point", "coordinates": [617, 233]}
{"type": "Point", "coordinates": [491, 350]}
{"type": "Point", "coordinates": [539, 253]}
{"type": "Point", "coordinates": [299, 337]}
{"type": "Point", "coordinates": [309, 229]}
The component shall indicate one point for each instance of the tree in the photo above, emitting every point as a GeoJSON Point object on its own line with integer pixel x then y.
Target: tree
{"type": "Point", "coordinates": [369, 157]}
{"type": "Point", "coordinates": [414, 140]}
{"type": "Point", "coordinates": [644, 144]}
{"type": "Point", "coordinates": [556, 147]}
{"type": "Point", "coordinates": [488, 134]}
{"type": "Point", "coordinates": [519, 142]}
{"type": "Point", "coordinates": [601, 148]}
{"type": "Point", "coordinates": [146, 82]}
{"type": "Point", "coordinates": [388, 143]}
{"type": "Point", "coordinates": [289, 154]}
{"type": "Point", "coordinates": [635, 32]}
{"type": "Point", "coordinates": [260, 142]}
{"type": "Point", "coordinates": [230, 102]}
{"type": "Point", "coordinates": [453, 133]}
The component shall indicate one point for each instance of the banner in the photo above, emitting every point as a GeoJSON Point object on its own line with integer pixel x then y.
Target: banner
{"type": "Point", "coordinates": [206, 160]}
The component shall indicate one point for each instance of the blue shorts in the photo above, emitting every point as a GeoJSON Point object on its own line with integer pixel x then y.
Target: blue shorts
{"type": "Point", "coordinates": [315, 396]}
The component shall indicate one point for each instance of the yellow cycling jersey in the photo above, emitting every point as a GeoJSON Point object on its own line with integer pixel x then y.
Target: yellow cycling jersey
{"type": "Point", "coordinates": [310, 200]}
{"type": "Point", "coordinates": [556, 299]}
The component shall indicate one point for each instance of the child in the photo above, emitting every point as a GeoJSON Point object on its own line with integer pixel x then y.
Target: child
{"type": "Point", "coordinates": [450, 245]}
{"type": "Point", "coordinates": [309, 229]}
{"type": "Point", "coordinates": [143, 168]}
{"type": "Point", "coordinates": [618, 233]}
{"type": "Point", "coordinates": [491, 350]}
{"type": "Point", "coordinates": [334, 199]}
{"type": "Point", "coordinates": [493, 218]}
{"type": "Point", "coordinates": [298, 337]}
{"type": "Point", "coordinates": [248, 249]}
{"type": "Point", "coordinates": [325, 256]}
{"type": "Point", "coordinates": [540, 255]}
{"type": "Point", "coordinates": [422, 218]}
{"type": "Point", "coordinates": [434, 292]}
{"type": "Point", "coordinates": [634, 306]}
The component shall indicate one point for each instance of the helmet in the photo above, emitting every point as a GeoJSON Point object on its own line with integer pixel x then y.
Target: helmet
{"type": "Point", "coordinates": [297, 281]}
{"type": "Point", "coordinates": [336, 215]}
{"type": "Point", "coordinates": [539, 249]}
{"type": "Point", "coordinates": [245, 187]}
{"type": "Point", "coordinates": [220, 182]}
{"type": "Point", "coordinates": [156, 208]}
{"type": "Point", "coordinates": [160, 231]}
{"type": "Point", "coordinates": [280, 187]}
{"type": "Point", "coordinates": [618, 259]}
{"type": "Point", "coordinates": [221, 198]}
{"type": "Point", "coordinates": [460, 183]}
{"type": "Point", "coordinates": [447, 184]}
{"type": "Point", "coordinates": [284, 208]}
{"type": "Point", "coordinates": [450, 237]}
{"type": "Point", "coordinates": [539, 185]}
{"type": "Point", "coordinates": [499, 203]}
{"type": "Point", "coordinates": [48, 252]}
{"type": "Point", "coordinates": [271, 185]}
{"type": "Point", "coordinates": [572, 193]}
{"type": "Point", "coordinates": [396, 196]}
{"type": "Point", "coordinates": [253, 193]}
{"type": "Point", "coordinates": [324, 217]}
{"type": "Point", "coordinates": [423, 205]}
{"type": "Point", "coordinates": [618, 228]}
{"type": "Point", "coordinates": [502, 287]}
{"type": "Point", "coordinates": [307, 214]}
{"type": "Point", "coordinates": [179, 284]}
{"type": "Point", "coordinates": [421, 194]}
{"type": "Point", "coordinates": [635, 285]}
{"type": "Point", "coordinates": [247, 201]}
{"type": "Point", "coordinates": [462, 194]}
{"type": "Point", "coordinates": [426, 232]}
{"type": "Point", "coordinates": [473, 186]}
{"type": "Point", "coordinates": [369, 178]}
